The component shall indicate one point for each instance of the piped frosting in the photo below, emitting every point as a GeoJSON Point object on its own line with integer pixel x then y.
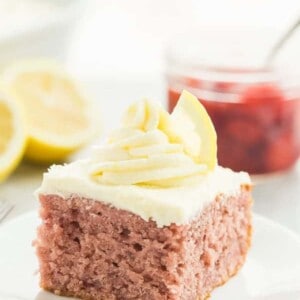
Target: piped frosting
{"type": "Point", "coordinates": [151, 167]}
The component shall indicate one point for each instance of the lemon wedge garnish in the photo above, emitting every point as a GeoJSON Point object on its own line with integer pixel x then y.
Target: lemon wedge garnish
{"type": "Point", "coordinates": [12, 135]}
{"type": "Point", "coordinates": [59, 118]}
{"type": "Point", "coordinates": [190, 125]}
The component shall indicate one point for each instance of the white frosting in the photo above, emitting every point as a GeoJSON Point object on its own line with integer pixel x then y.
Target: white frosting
{"type": "Point", "coordinates": [151, 166]}
{"type": "Point", "coordinates": [143, 152]}
{"type": "Point", "coordinates": [164, 205]}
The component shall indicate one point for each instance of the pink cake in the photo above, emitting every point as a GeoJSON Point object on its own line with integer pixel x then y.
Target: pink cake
{"type": "Point", "coordinates": [105, 241]}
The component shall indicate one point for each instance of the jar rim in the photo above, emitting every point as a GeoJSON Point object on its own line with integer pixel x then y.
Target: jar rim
{"type": "Point", "coordinates": [224, 59]}
{"type": "Point", "coordinates": [175, 71]}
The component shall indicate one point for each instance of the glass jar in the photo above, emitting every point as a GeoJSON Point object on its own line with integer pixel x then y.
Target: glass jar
{"type": "Point", "coordinates": [256, 111]}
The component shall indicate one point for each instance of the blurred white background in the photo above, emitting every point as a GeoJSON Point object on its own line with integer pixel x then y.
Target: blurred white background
{"type": "Point", "coordinates": [127, 39]}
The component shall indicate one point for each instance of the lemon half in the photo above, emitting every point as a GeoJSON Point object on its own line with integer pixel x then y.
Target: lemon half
{"type": "Point", "coordinates": [59, 117]}
{"type": "Point", "coordinates": [12, 135]}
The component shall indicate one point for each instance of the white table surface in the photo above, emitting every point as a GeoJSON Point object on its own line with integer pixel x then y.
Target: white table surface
{"type": "Point", "coordinates": [276, 198]}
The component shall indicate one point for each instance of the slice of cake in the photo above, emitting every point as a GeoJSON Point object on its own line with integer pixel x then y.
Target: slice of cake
{"type": "Point", "coordinates": [149, 216]}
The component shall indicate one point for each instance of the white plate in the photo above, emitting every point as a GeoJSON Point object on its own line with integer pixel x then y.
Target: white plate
{"type": "Point", "coordinates": [272, 270]}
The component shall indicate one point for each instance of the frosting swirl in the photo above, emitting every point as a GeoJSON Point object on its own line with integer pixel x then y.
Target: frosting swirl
{"type": "Point", "coordinates": [142, 152]}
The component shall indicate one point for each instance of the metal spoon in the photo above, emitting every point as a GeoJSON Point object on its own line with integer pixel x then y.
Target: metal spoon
{"type": "Point", "coordinates": [281, 42]}
{"type": "Point", "coordinates": [5, 209]}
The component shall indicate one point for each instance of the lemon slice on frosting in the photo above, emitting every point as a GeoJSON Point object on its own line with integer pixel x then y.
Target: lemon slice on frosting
{"type": "Point", "coordinates": [192, 127]}
{"type": "Point", "coordinates": [60, 119]}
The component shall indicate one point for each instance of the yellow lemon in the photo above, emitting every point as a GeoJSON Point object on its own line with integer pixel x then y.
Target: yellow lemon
{"type": "Point", "coordinates": [12, 135]}
{"type": "Point", "coordinates": [60, 119]}
{"type": "Point", "coordinates": [190, 125]}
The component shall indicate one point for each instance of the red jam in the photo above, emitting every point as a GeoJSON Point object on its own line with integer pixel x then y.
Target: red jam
{"type": "Point", "coordinates": [259, 133]}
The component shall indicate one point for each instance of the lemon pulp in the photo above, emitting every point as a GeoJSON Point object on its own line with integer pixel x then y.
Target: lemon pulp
{"type": "Point", "coordinates": [59, 118]}
{"type": "Point", "coordinates": [12, 136]}
{"type": "Point", "coordinates": [6, 127]}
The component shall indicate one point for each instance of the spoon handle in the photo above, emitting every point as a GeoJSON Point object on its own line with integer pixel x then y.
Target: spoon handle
{"type": "Point", "coordinates": [281, 42]}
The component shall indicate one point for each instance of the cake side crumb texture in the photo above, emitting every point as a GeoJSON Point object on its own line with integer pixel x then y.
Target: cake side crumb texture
{"type": "Point", "coordinates": [91, 250]}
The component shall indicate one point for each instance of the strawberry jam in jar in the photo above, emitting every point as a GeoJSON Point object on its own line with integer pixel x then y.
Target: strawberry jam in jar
{"type": "Point", "coordinates": [255, 111]}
